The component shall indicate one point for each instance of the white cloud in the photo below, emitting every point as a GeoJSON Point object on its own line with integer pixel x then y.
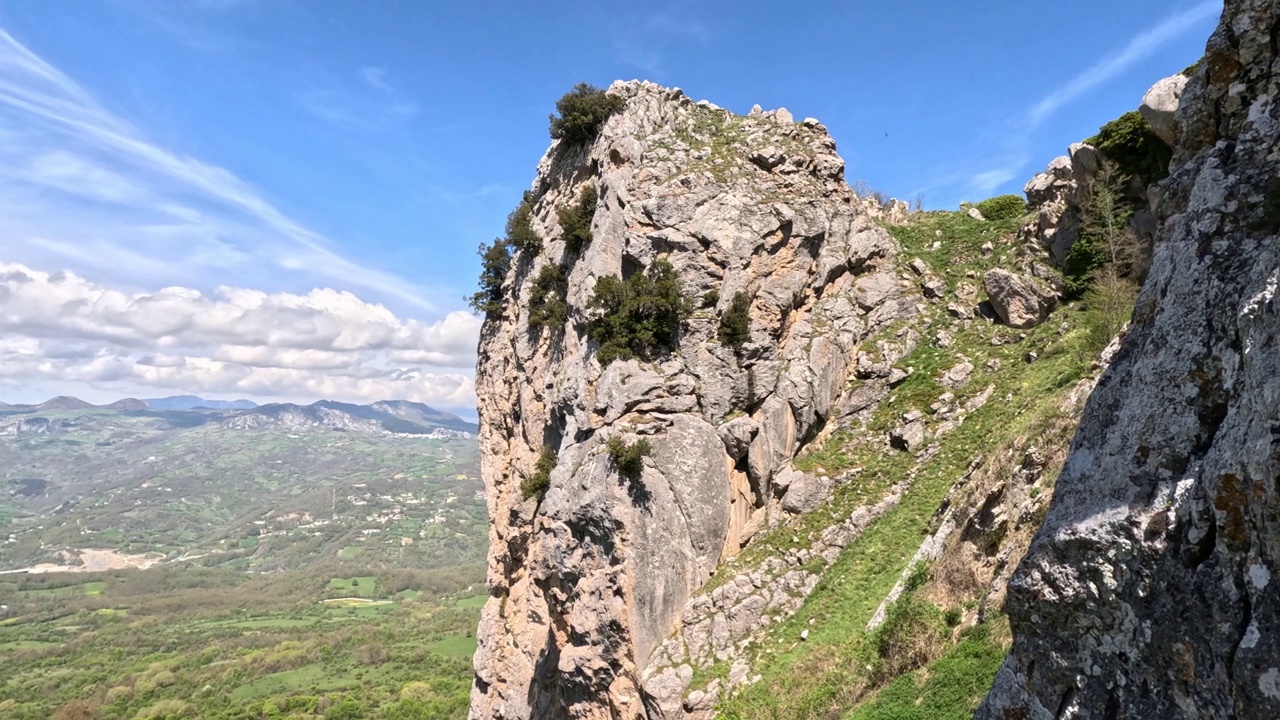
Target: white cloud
{"type": "Point", "coordinates": [989, 180]}
{"type": "Point", "coordinates": [1016, 140]}
{"type": "Point", "coordinates": [371, 104]}
{"type": "Point", "coordinates": [1139, 48]}
{"type": "Point", "coordinates": [84, 188]}
{"type": "Point", "coordinates": [61, 327]}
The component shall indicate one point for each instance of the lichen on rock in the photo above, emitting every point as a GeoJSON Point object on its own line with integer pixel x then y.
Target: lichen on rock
{"type": "Point", "coordinates": [1147, 591]}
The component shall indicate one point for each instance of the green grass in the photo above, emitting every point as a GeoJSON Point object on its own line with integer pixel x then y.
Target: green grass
{"type": "Point", "coordinates": [949, 688]}
{"type": "Point", "coordinates": [89, 588]}
{"type": "Point", "coordinates": [312, 677]}
{"type": "Point", "coordinates": [26, 645]}
{"type": "Point", "coordinates": [259, 623]}
{"type": "Point", "coordinates": [827, 676]}
{"type": "Point", "coordinates": [455, 646]}
{"type": "Point", "coordinates": [475, 601]}
{"type": "Point", "coordinates": [360, 587]}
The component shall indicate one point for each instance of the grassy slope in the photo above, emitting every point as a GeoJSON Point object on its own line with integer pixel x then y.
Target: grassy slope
{"type": "Point", "coordinates": [832, 673]}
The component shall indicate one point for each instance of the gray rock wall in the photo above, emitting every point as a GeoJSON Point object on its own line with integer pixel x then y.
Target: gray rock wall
{"type": "Point", "coordinates": [1149, 590]}
{"type": "Point", "coordinates": [588, 583]}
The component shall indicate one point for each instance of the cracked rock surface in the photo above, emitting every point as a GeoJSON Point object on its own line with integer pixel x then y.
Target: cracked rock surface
{"type": "Point", "coordinates": [588, 582]}
{"type": "Point", "coordinates": [1150, 591]}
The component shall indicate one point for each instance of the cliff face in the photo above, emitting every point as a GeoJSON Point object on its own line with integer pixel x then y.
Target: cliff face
{"type": "Point", "coordinates": [588, 581]}
{"type": "Point", "coordinates": [1149, 590]}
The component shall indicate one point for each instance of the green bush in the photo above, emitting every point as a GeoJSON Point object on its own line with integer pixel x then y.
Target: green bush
{"type": "Point", "coordinates": [495, 261]}
{"type": "Point", "coordinates": [1002, 207]}
{"type": "Point", "coordinates": [913, 633]}
{"type": "Point", "coordinates": [627, 457]}
{"type": "Point", "coordinates": [1130, 143]}
{"type": "Point", "coordinates": [638, 317]}
{"type": "Point", "coordinates": [520, 232]}
{"type": "Point", "coordinates": [536, 484]}
{"type": "Point", "coordinates": [735, 324]}
{"type": "Point", "coordinates": [1108, 306]}
{"type": "Point", "coordinates": [547, 300]}
{"type": "Point", "coordinates": [1104, 237]}
{"type": "Point", "coordinates": [575, 221]}
{"type": "Point", "coordinates": [583, 111]}
{"type": "Point", "coordinates": [710, 298]}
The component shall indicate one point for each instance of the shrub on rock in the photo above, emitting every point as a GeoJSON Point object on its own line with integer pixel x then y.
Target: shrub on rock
{"type": "Point", "coordinates": [583, 111]}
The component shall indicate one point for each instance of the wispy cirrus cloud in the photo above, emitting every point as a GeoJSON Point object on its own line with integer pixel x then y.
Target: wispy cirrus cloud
{"type": "Point", "coordinates": [84, 187]}
{"type": "Point", "coordinates": [1013, 160]}
{"type": "Point", "coordinates": [1138, 49]}
{"type": "Point", "coordinates": [368, 102]}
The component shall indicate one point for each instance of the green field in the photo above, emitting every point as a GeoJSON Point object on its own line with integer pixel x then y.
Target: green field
{"type": "Point", "coordinates": [358, 587]}
{"type": "Point", "coordinates": [455, 646]}
{"type": "Point", "coordinates": [194, 642]}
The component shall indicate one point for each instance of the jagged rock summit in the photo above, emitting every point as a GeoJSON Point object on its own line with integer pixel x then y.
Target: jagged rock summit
{"type": "Point", "coordinates": [1150, 590]}
{"type": "Point", "coordinates": [588, 578]}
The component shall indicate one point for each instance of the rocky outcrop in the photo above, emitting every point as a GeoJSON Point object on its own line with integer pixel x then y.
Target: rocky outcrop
{"type": "Point", "coordinates": [1160, 107]}
{"type": "Point", "coordinates": [1057, 198]}
{"type": "Point", "coordinates": [589, 581]}
{"type": "Point", "coordinates": [1149, 590]}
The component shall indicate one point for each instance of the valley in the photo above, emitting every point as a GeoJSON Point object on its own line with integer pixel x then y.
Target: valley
{"type": "Point", "coordinates": [263, 490]}
{"type": "Point", "coordinates": [238, 562]}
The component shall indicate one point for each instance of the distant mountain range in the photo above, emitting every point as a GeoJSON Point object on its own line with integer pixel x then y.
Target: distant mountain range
{"type": "Point", "coordinates": [192, 402]}
{"type": "Point", "coordinates": [395, 416]}
{"type": "Point", "coordinates": [281, 486]}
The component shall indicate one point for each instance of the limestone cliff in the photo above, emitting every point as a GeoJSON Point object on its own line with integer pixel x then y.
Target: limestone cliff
{"type": "Point", "coordinates": [588, 580]}
{"type": "Point", "coordinates": [1148, 591]}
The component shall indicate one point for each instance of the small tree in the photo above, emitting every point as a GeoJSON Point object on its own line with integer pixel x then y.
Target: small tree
{"type": "Point", "coordinates": [638, 317]}
{"type": "Point", "coordinates": [548, 305]}
{"type": "Point", "coordinates": [583, 111]}
{"type": "Point", "coordinates": [575, 221]}
{"type": "Point", "coordinates": [1109, 305]}
{"type": "Point", "coordinates": [495, 261]}
{"type": "Point", "coordinates": [536, 484]}
{"type": "Point", "coordinates": [735, 324]}
{"type": "Point", "coordinates": [520, 232]}
{"type": "Point", "coordinates": [627, 457]}
{"type": "Point", "coordinates": [1104, 235]}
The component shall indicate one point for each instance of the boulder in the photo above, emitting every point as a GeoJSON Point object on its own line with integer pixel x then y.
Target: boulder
{"type": "Point", "coordinates": [1020, 302]}
{"type": "Point", "coordinates": [1160, 107]}
{"type": "Point", "coordinates": [804, 492]}
{"type": "Point", "coordinates": [909, 437]}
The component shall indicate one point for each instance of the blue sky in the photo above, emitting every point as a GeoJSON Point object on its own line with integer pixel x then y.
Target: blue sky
{"type": "Point", "coordinates": [284, 149]}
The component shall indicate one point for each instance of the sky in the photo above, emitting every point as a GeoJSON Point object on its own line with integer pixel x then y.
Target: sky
{"type": "Point", "coordinates": [281, 199]}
